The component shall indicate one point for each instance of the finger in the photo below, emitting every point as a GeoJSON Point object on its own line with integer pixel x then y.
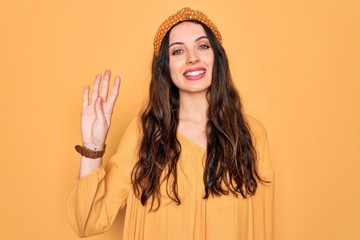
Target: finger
{"type": "Point", "coordinates": [114, 92]}
{"type": "Point", "coordinates": [85, 100]}
{"type": "Point", "coordinates": [95, 91]}
{"type": "Point", "coordinates": [105, 85]}
{"type": "Point", "coordinates": [99, 110]}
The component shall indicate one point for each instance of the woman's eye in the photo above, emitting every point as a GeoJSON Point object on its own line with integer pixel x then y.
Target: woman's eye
{"type": "Point", "coordinates": [204, 46]}
{"type": "Point", "coordinates": [177, 51]}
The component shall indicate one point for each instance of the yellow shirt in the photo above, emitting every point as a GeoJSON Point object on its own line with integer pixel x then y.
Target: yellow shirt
{"type": "Point", "coordinates": [96, 198]}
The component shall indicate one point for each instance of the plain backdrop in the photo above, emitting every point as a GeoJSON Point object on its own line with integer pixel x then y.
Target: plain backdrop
{"type": "Point", "coordinates": [295, 63]}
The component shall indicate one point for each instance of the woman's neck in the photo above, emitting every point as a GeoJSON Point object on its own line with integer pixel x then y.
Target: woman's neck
{"type": "Point", "coordinates": [193, 117]}
{"type": "Point", "coordinates": [193, 107]}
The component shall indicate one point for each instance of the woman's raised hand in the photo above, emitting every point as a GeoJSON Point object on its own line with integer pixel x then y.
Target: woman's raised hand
{"type": "Point", "coordinates": [97, 111]}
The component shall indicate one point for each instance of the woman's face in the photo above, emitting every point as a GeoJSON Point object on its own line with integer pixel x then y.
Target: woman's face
{"type": "Point", "coordinates": [191, 58]}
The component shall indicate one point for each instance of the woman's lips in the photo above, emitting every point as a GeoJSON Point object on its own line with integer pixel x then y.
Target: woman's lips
{"type": "Point", "coordinates": [195, 73]}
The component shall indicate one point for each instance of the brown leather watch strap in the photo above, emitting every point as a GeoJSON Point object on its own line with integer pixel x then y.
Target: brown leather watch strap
{"type": "Point", "coordinates": [87, 152]}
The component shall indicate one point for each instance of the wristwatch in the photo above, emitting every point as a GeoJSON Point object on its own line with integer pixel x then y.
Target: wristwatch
{"type": "Point", "coordinates": [87, 152]}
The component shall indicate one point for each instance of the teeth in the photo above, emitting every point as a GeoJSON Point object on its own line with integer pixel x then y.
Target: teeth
{"type": "Point", "coordinates": [194, 73]}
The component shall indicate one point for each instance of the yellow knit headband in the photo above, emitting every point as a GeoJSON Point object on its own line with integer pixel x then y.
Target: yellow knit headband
{"type": "Point", "coordinates": [183, 15]}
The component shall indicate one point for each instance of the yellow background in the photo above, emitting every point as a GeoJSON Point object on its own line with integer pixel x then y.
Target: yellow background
{"type": "Point", "coordinates": [296, 64]}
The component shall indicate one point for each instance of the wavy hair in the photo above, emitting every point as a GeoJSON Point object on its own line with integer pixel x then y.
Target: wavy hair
{"type": "Point", "coordinates": [231, 156]}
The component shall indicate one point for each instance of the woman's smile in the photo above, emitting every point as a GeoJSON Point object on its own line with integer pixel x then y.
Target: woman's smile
{"type": "Point", "coordinates": [194, 73]}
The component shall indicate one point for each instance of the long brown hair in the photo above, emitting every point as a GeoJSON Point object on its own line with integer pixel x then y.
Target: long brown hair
{"type": "Point", "coordinates": [231, 156]}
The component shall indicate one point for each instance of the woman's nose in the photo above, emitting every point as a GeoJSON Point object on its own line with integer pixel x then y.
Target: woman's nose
{"type": "Point", "coordinates": [192, 57]}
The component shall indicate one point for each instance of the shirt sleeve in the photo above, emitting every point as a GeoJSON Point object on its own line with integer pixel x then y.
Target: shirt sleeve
{"type": "Point", "coordinates": [263, 200]}
{"type": "Point", "coordinates": [95, 199]}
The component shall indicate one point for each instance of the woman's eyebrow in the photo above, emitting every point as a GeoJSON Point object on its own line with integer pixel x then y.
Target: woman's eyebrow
{"type": "Point", "coordinates": [202, 37]}
{"type": "Point", "coordinates": [175, 43]}
{"type": "Point", "coordinates": [181, 43]}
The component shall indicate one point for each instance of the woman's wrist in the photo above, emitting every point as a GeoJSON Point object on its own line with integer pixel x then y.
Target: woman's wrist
{"type": "Point", "coordinates": [94, 147]}
{"type": "Point", "coordinates": [92, 153]}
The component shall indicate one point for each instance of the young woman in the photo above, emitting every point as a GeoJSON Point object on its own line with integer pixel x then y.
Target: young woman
{"type": "Point", "coordinates": [193, 166]}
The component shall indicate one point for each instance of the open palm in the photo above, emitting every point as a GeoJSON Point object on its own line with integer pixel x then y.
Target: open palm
{"type": "Point", "coordinates": [97, 111]}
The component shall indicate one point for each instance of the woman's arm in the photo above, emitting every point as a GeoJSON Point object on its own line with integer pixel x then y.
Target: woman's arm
{"type": "Point", "coordinates": [96, 198]}
{"type": "Point", "coordinates": [98, 193]}
{"type": "Point", "coordinates": [263, 200]}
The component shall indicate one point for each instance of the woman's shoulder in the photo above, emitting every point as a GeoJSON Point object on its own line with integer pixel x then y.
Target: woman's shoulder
{"type": "Point", "coordinates": [257, 129]}
{"type": "Point", "coordinates": [131, 134]}
{"type": "Point", "coordinates": [255, 124]}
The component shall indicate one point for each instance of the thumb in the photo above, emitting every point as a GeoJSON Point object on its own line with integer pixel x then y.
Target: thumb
{"type": "Point", "coordinates": [99, 109]}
